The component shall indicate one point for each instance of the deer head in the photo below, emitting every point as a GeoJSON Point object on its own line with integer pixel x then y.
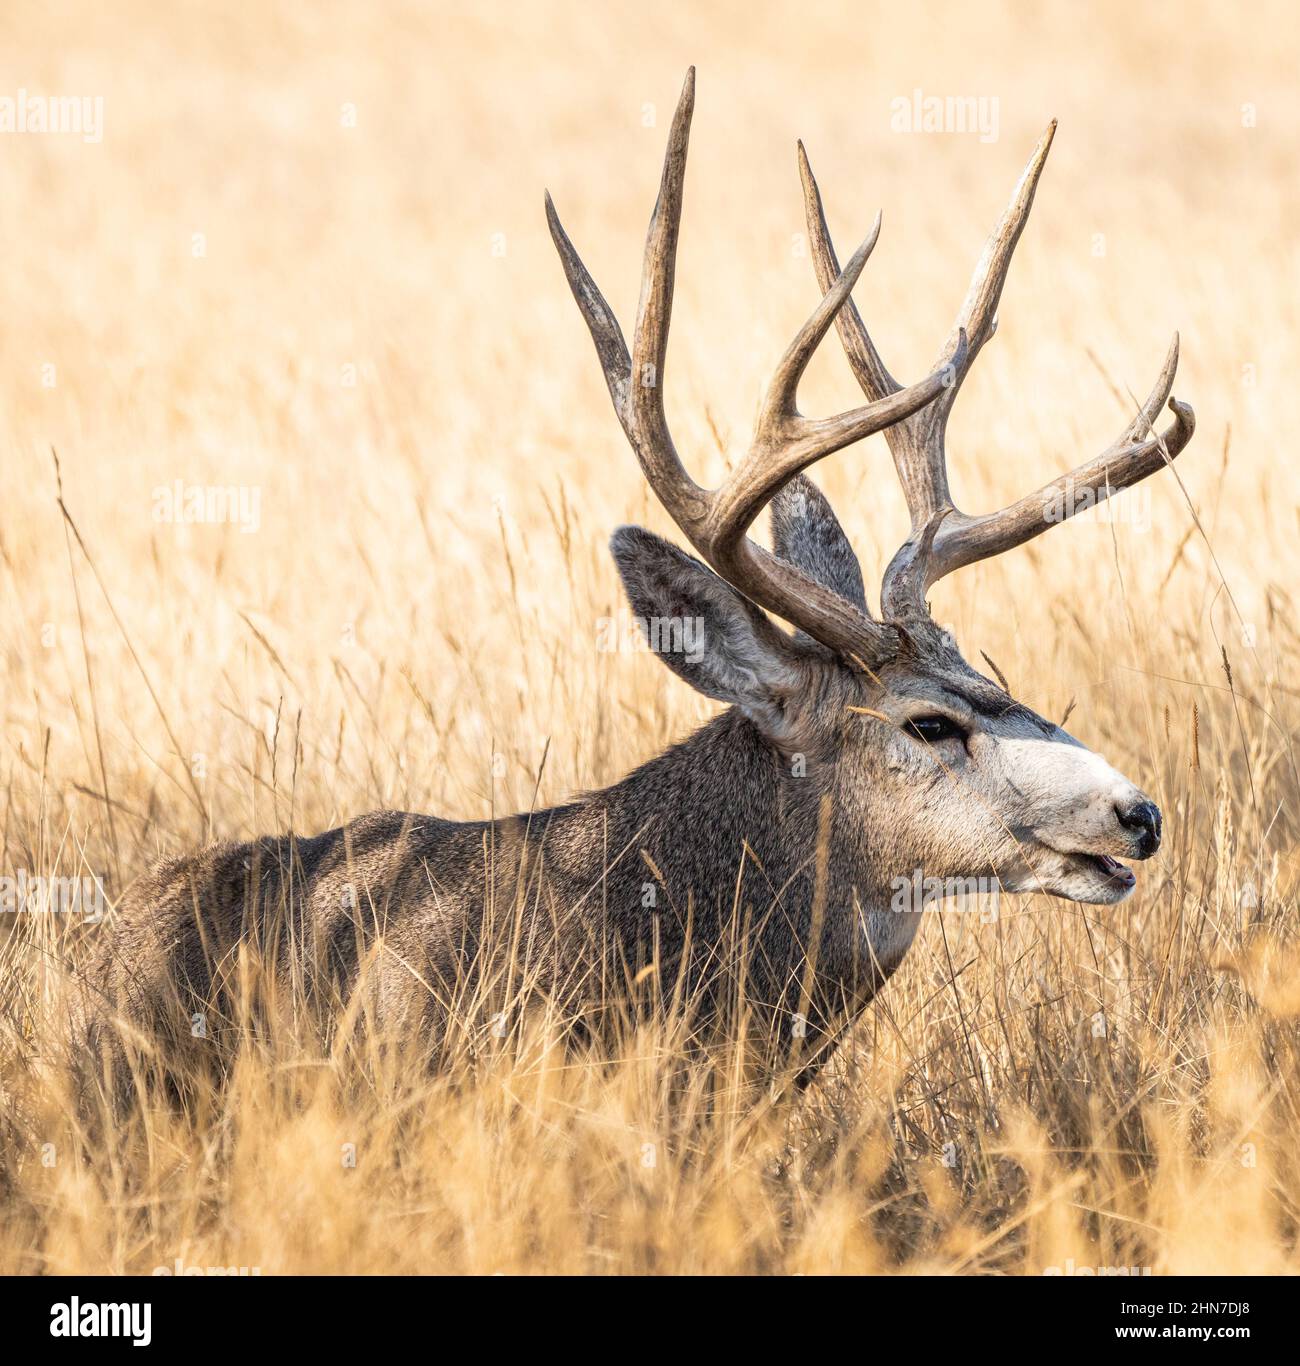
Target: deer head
{"type": "Point", "coordinates": [927, 761]}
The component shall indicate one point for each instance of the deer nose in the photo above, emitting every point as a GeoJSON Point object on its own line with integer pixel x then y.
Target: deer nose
{"type": "Point", "coordinates": [1142, 819]}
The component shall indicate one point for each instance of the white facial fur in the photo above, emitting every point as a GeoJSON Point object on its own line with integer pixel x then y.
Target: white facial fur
{"type": "Point", "coordinates": [1012, 798]}
{"type": "Point", "coordinates": [1069, 798]}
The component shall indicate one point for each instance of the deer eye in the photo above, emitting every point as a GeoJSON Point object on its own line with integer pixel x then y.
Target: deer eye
{"type": "Point", "coordinates": [932, 729]}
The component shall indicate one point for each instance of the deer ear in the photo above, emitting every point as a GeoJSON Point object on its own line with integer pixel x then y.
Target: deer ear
{"type": "Point", "coordinates": [703, 629]}
{"type": "Point", "coordinates": [807, 534]}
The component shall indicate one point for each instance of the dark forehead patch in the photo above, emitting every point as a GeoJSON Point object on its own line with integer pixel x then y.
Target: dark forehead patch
{"type": "Point", "coordinates": [937, 654]}
{"type": "Point", "coordinates": [992, 702]}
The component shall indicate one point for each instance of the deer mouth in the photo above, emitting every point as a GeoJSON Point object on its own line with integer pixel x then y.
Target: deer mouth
{"type": "Point", "coordinates": [1077, 875]}
{"type": "Point", "coordinates": [1112, 869]}
{"type": "Point", "coordinates": [1073, 875]}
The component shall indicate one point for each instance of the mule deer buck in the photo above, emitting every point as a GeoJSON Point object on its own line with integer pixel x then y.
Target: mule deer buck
{"type": "Point", "coordinates": [853, 751]}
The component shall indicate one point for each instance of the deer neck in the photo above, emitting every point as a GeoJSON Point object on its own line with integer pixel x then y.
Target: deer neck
{"type": "Point", "coordinates": [723, 822]}
{"type": "Point", "coordinates": [719, 799]}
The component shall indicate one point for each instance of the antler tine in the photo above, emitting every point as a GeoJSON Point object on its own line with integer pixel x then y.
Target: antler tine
{"type": "Point", "coordinates": [942, 538]}
{"type": "Point", "coordinates": [785, 442]}
{"type": "Point", "coordinates": [875, 379]}
{"type": "Point", "coordinates": [781, 423]}
{"type": "Point", "coordinates": [779, 401]}
{"type": "Point", "coordinates": [979, 309]}
{"type": "Point", "coordinates": [667, 476]}
{"type": "Point", "coordinates": [599, 317]}
{"type": "Point", "coordinates": [922, 462]}
{"type": "Point", "coordinates": [916, 444]}
{"type": "Point", "coordinates": [1144, 421]}
{"type": "Point", "coordinates": [1126, 461]}
{"type": "Point", "coordinates": [635, 382]}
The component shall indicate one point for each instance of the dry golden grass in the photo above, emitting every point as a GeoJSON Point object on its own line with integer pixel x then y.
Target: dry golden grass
{"type": "Point", "coordinates": [1114, 1088]}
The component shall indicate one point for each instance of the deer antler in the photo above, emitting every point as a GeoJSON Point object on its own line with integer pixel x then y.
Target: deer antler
{"type": "Point", "coordinates": [942, 537]}
{"type": "Point", "coordinates": [715, 521]}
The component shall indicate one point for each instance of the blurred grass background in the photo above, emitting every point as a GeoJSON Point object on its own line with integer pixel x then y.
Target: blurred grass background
{"type": "Point", "coordinates": [309, 258]}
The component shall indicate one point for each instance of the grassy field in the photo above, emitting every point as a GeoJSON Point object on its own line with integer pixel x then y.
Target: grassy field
{"type": "Point", "coordinates": [306, 258]}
